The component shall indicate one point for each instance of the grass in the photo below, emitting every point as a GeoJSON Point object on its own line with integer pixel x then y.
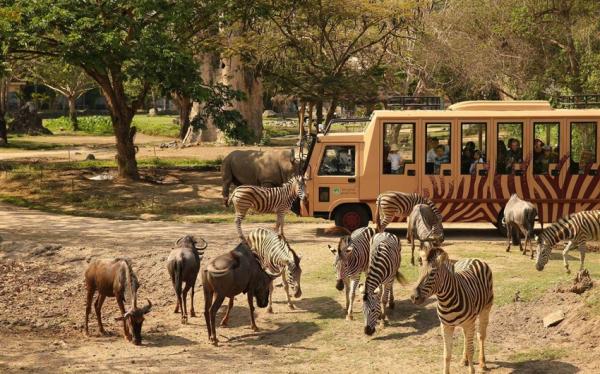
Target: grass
{"type": "Point", "coordinates": [17, 167]}
{"type": "Point", "coordinates": [16, 142]}
{"type": "Point", "coordinates": [547, 354]}
{"type": "Point", "coordinates": [101, 125]}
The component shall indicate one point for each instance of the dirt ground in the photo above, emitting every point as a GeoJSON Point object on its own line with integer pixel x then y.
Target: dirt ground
{"type": "Point", "coordinates": [43, 257]}
{"type": "Point", "coordinates": [76, 148]}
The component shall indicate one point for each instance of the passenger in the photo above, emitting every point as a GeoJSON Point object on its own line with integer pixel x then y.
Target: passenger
{"type": "Point", "coordinates": [441, 157]}
{"type": "Point", "coordinates": [466, 157]}
{"type": "Point", "coordinates": [397, 164]}
{"type": "Point", "coordinates": [502, 156]}
{"type": "Point", "coordinates": [345, 162]}
{"type": "Point", "coordinates": [540, 162]}
{"type": "Point", "coordinates": [432, 144]}
{"type": "Point", "coordinates": [514, 154]}
{"type": "Point", "coordinates": [477, 159]}
{"type": "Point", "coordinates": [585, 160]}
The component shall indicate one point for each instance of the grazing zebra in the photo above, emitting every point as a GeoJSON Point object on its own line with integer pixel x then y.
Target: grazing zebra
{"type": "Point", "coordinates": [425, 226]}
{"type": "Point", "coordinates": [384, 263]}
{"type": "Point", "coordinates": [352, 259]}
{"type": "Point", "coordinates": [266, 200]}
{"type": "Point", "coordinates": [519, 218]}
{"type": "Point", "coordinates": [391, 204]}
{"type": "Point", "coordinates": [577, 228]}
{"type": "Point", "coordinates": [277, 258]}
{"type": "Point", "coordinates": [464, 291]}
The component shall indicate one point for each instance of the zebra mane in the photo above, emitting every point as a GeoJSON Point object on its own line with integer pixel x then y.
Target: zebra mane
{"type": "Point", "coordinates": [558, 230]}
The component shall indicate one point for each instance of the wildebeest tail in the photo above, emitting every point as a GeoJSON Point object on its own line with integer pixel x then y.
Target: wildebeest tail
{"type": "Point", "coordinates": [177, 277]}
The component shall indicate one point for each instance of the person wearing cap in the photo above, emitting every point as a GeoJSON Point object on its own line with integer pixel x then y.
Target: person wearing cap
{"type": "Point", "coordinates": [397, 164]}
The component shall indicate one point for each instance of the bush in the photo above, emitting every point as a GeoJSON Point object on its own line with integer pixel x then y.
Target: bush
{"type": "Point", "coordinates": [95, 125]}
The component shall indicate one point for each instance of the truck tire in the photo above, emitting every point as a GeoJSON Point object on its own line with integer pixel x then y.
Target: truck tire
{"type": "Point", "coordinates": [351, 216]}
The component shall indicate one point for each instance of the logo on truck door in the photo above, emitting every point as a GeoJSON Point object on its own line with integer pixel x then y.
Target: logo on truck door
{"type": "Point", "coordinates": [342, 191]}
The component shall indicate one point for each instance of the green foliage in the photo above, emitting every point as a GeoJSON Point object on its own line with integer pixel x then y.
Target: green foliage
{"type": "Point", "coordinates": [156, 126]}
{"type": "Point", "coordinates": [93, 125]}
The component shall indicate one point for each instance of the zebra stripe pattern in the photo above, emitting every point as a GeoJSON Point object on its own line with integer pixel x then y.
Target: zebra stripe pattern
{"type": "Point", "coordinates": [464, 291]}
{"type": "Point", "coordinates": [578, 228]}
{"type": "Point", "coordinates": [423, 225]}
{"type": "Point", "coordinates": [352, 259]}
{"type": "Point", "coordinates": [384, 263]}
{"type": "Point", "coordinates": [277, 200]}
{"type": "Point", "coordinates": [277, 259]}
{"type": "Point", "coordinates": [399, 204]}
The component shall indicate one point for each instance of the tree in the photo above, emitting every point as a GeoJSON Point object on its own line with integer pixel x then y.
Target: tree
{"type": "Point", "coordinates": [331, 51]}
{"type": "Point", "coordinates": [7, 16]}
{"type": "Point", "coordinates": [67, 80]}
{"type": "Point", "coordinates": [126, 47]}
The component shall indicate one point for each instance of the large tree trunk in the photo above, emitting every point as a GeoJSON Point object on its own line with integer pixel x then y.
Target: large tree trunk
{"type": "Point", "coordinates": [3, 108]}
{"type": "Point", "coordinates": [3, 132]}
{"type": "Point", "coordinates": [73, 113]}
{"type": "Point", "coordinates": [244, 79]}
{"type": "Point", "coordinates": [184, 105]}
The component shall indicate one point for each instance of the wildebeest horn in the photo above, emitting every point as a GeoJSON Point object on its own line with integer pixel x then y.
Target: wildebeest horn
{"type": "Point", "coordinates": [205, 245]}
{"type": "Point", "coordinates": [178, 241]}
{"type": "Point", "coordinates": [122, 317]}
{"type": "Point", "coordinates": [147, 308]}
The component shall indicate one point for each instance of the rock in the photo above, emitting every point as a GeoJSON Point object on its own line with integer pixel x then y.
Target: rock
{"type": "Point", "coordinates": [554, 318]}
{"type": "Point", "coordinates": [270, 113]}
{"type": "Point", "coordinates": [27, 121]}
{"type": "Point", "coordinates": [90, 157]}
{"type": "Point", "coordinates": [152, 112]}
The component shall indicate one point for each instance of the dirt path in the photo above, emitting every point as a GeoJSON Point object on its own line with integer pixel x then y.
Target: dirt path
{"type": "Point", "coordinates": [43, 256]}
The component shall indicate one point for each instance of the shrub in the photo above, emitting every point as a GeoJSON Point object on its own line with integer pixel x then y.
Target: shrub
{"type": "Point", "coordinates": [95, 125]}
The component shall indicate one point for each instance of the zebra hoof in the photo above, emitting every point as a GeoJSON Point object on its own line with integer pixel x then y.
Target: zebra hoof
{"type": "Point", "coordinates": [465, 362]}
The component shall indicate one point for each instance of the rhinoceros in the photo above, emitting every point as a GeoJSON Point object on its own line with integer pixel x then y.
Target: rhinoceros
{"type": "Point", "coordinates": [257, 168]}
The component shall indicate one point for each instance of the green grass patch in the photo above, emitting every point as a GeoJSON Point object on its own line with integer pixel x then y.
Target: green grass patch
{"type": "Point", "coordinates": [15, 142]}
{"type": "Point", "coordinates": [548, 354]}
{"type": "Point", "coordinates": [18, 167]}
{"type": "Point", "coordinates": [157, 125]}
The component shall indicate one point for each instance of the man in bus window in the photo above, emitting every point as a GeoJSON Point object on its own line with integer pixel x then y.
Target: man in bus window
{"type": "Point", "coordinates": [440, 158]}
{"type": "Point", "coordinates": [514, 154]}
{"type": "Point", "coordinates": [432, 144]}
{"type": "Point", "coordinates": [540, 162]}
{"type": "Point", "coordinates": [397, 164]}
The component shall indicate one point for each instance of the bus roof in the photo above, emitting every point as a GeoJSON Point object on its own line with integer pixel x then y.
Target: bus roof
{"type": "Point", "coordinates": [473, 109]}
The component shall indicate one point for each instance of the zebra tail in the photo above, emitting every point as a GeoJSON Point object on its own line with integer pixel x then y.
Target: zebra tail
{"type": "Point", "coordinates": [400, 278]}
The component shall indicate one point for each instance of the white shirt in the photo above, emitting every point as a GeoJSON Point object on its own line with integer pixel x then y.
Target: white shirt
{"type": "Point", "coordinates": [394, 158]}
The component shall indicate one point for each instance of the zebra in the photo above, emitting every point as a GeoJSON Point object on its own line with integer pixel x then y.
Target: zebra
{"type": "Point", "coordinates": [423, 225]}
{"type": "Point", "coordinates": [384, 263]}
{"type": "Point", "coordinates": [464, 291]}
{"type": "Point", "coordinates": [391, 204]}
{"type": "Point", "coordinates": [266, 200]}
{"type": "Point", "coordinates": [577, 228]}
{"type": "Point", "coordinates": [352, 259]}
{"type": "Point", "coordinates": [519, 217]}
{"type": "Point", "coordinates": [277, 258]}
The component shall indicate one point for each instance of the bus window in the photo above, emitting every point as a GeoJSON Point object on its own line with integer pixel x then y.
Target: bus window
{"type": "Point", "coordinates": [438, 147]}
{"type": "Point", "coordinates": [338, 160]}
{"type": "Point", "coordinates": [583, 146]}
{"type": "Point", "coordinates": [398, 147]}
{"type": "Point", "coordinates": [509, 152]}
{"type": "Point", "coordinates": [474, 150]}
{"type": "Point", "coordinates": [545, 146]}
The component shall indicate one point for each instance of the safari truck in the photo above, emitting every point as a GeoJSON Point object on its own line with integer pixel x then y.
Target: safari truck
{"type": "Point", "coordinates": [468, 158]}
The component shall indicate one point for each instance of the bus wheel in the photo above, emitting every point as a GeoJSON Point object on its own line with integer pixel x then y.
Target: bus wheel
{"type": "Point", "coordinates": [351, 217]}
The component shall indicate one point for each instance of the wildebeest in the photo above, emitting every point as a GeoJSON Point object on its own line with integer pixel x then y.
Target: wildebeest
{"type": "Point", "coordinates": [115, 278]}
{"type": "Point", "coordinates": [423, 225]}
{"type": "Point", "coordinates": [183, 265]}
{"type": "Point", "coordinates": [229, 275]}
{"type": "Point", "coordinates": [257, 168]}
{"type": "Point", "coordinates": [519, 218]}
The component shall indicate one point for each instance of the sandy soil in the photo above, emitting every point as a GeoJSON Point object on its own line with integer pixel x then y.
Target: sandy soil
{"type": "Point", "coordinates": [43, 256]}
{"type": "Point", "coordinates": [76, 148]}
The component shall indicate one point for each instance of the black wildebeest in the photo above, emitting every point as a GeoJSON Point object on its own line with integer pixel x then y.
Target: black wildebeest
{"type": "Point", "coordinates": [115, 278]}
{"type": "Point", "coordinates": [519, 218]}
{"type": "Point", "coordinates": [229, 275]}
{"type": "Point", "coordinates": [183, 265]}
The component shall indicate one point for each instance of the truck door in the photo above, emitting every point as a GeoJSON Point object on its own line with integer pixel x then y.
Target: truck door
{"type": "Point", "coordinates": [337, 182]}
